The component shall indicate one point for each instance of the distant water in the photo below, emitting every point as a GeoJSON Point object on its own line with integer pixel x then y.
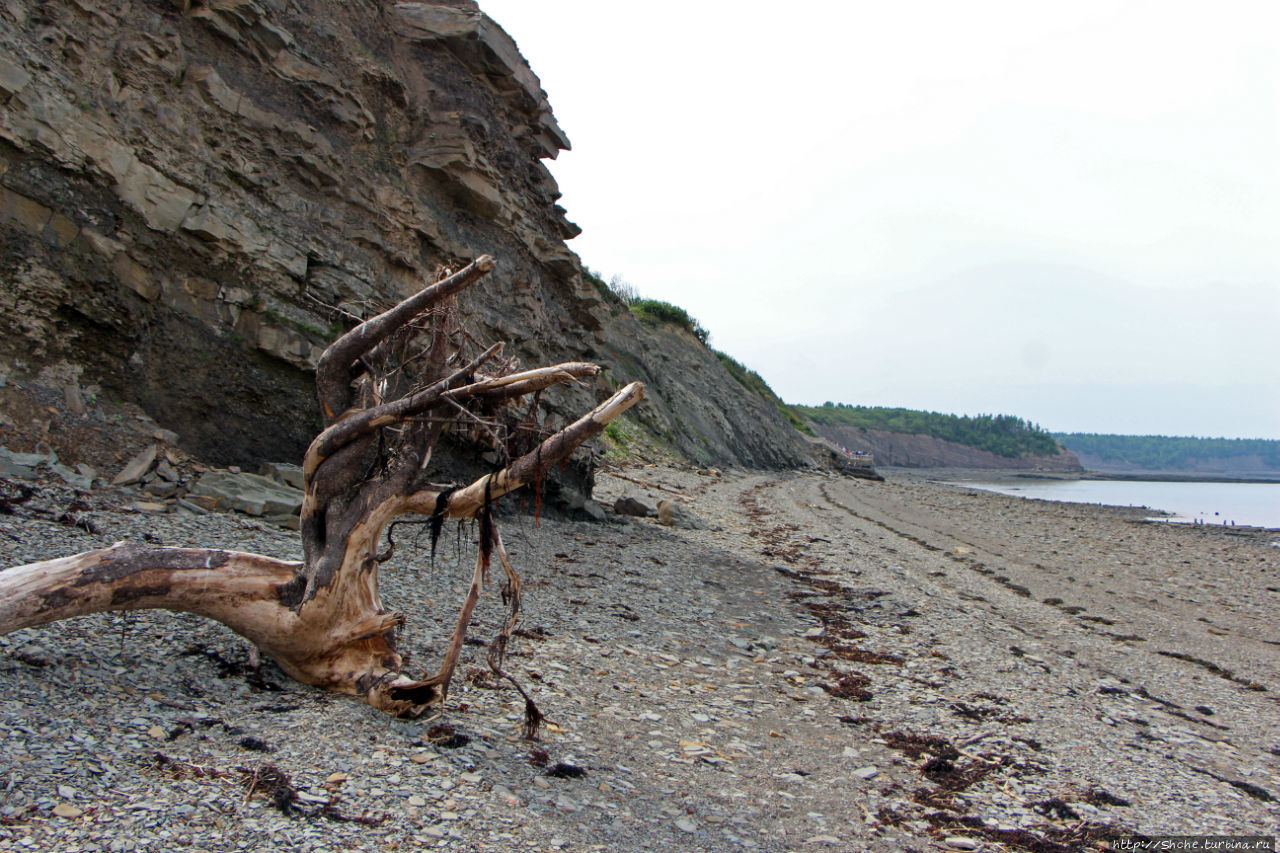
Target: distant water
{"type": "Point", "coordinates": [1251, 504]}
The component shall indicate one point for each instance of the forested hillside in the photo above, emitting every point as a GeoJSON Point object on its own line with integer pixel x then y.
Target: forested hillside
{"type": "Point", "coordinates": [1003, 435]}
{"type": "Point", "coordinates": [1174, 453]}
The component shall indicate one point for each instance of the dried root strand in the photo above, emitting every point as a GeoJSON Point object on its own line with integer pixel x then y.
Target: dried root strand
{"type": "Point", "coordinates": [511, 593]}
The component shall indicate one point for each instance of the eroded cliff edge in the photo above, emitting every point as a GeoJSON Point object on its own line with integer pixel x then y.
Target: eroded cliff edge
{"type": "Point", "coordinates": [194, 194]}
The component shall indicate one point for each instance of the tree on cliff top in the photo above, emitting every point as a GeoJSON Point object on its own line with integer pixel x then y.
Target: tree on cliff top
{"type": "Point", "coordinates": [387, 390]}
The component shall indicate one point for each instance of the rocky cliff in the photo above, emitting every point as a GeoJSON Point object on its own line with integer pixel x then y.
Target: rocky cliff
{"type": "Point", "coordinates": [901, 450]}
{"type": "Point", "coordinates": [196, 196]}
{"type": "Point", "coordinates": [699, 410]}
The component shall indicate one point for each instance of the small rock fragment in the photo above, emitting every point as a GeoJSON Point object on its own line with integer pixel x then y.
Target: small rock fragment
{"type": "Point", "coordinates": [253, 744]}
{"type": "Point", "coordinates": [631, 506]}
{"type": "Point", "coordinates": [137, 468]}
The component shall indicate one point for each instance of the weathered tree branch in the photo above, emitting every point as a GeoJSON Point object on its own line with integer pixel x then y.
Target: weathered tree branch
{"type": "Point", "coordinates": [225, 585]}
{"type": "Point", "coordinates": [337, 365]}
{"type": "Point", "coordinates": [359, 424]}
{"type": "Point", "coordinates": [465, 503]}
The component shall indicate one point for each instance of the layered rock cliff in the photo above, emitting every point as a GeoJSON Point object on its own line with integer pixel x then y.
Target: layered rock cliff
{"type": "Point", "coordinates": [196, 196]}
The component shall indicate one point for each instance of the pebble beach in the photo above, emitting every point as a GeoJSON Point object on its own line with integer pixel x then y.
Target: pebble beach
{"type": "Point", "coordinates": [812, 663]}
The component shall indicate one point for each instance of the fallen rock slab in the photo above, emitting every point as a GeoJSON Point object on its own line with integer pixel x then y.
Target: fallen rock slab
{"type": "Point", "coordinates": [252, 494]}
{"type": "Point", "coordinates": [137, 467]}
{"type": "Point", "coordinates": [23, 465]}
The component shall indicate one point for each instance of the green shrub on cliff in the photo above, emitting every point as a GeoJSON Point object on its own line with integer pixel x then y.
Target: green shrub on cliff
{"type": "Point", "coordinates": [1004, 435]}
{"type": "Point", "coordinates": [607, 293]}
{"type": "Point", "coordinates": [755, 383]}
{"type": "Point", "coordinates": [651, 312]}
{"type": "Point", "coordinates": [655, 312]}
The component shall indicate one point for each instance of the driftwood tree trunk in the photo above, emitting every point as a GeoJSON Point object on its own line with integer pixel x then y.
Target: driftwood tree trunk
{"type": "Point", "coordinates": [387, 390]}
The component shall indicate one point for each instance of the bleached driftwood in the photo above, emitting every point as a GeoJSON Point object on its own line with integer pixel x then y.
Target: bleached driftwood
{"type": "Point", "coordinates": [387, 389]}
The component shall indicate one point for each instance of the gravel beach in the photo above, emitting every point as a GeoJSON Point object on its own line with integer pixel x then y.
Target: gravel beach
{"type": "Point", "coordinates": [816, 663]}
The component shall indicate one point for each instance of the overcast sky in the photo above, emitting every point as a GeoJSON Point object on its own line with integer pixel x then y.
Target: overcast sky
{"type": "Point", "coordinates": [1064, 211]}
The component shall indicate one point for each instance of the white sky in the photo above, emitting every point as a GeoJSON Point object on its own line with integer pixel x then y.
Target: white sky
{"type": "Point", "coordinates": [1064, 211]}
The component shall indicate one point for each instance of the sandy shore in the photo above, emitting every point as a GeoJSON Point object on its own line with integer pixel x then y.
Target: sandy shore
{"type": "Point", "coordinates": [827, 664]}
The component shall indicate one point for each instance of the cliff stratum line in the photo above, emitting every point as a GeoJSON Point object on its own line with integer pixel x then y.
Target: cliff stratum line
{"type": "Point", "coordinates": [194, 197]}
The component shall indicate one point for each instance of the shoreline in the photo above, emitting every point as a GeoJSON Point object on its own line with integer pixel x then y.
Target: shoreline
{"type": "Point", "coordinates": [966, 478]}
{"type": "Point", "coordinates": [821, 663]}
{"type": "Point", "coordinates": [1010, 474]}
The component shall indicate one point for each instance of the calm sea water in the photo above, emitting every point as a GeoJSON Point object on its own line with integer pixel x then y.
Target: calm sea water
{"type": "Point", "coordinates": [1253, 504]}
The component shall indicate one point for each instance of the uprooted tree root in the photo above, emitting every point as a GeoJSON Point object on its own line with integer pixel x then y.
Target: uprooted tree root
{"type": "Point", "coordinates": [388, 390]}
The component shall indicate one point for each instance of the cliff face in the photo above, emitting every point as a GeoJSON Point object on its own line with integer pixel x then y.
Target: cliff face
{"type": "Point", "coordinates": [690, 405]}
{"type": "Point", "coordinates": [901, 450]}
{"type": "Point", "coordinates": [196, 196]}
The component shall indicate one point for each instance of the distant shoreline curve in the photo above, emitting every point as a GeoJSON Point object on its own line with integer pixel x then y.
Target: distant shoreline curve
{"type": "Point", "coordinates": [1007, 474]}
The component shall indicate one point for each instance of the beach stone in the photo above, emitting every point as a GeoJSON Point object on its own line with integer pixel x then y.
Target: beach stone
{"type": "Point", "coordinates": [71, 477]}
{"type": "Point", "coordinates": [673, 514]}
{"type": "Point", "coordinates": [631, 506]}
{"type": "Point", "coordinates": [576, 504]}
{"type": "Point", "coordinates": [161, 488]}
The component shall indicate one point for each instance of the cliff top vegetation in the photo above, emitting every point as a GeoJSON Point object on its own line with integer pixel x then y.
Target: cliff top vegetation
{"type": "Point", "coordinates": [1170, 453]}
{"type": "Point", "coordinates": [1005, 435]}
